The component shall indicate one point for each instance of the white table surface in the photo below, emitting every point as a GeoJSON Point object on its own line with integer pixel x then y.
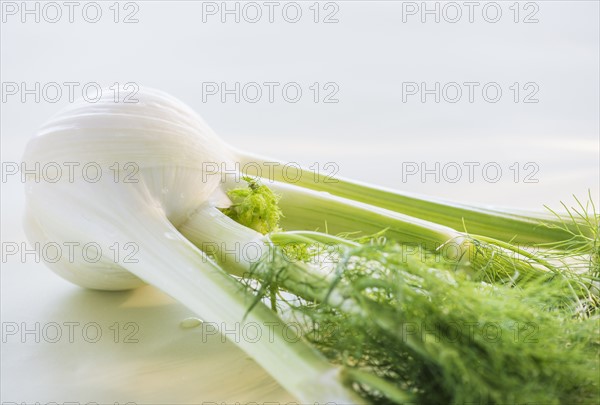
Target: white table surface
{"type": "Point", "coordinates": [369, 134]}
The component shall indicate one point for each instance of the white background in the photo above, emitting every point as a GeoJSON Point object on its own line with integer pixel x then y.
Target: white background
{"type": "Point", "coordinates": [371, 134]}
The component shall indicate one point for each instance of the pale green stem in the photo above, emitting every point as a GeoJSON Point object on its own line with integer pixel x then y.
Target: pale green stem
{"type": "Point", "coordinates": [173, 264]}
{"type": "Point", "coordinates": [305, 209]}
{"type": "Point", "coordinates": [312, 237]}
{"type": "Point", "coordinates": [507, 226]}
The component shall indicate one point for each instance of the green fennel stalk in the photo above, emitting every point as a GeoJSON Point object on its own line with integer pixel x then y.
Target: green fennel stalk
{"type": "Point", "coordinates": [521, 227]}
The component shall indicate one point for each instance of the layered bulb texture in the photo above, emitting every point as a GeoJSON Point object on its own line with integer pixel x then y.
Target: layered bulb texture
{"type": "Point", "coordinates": [130, 162]}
